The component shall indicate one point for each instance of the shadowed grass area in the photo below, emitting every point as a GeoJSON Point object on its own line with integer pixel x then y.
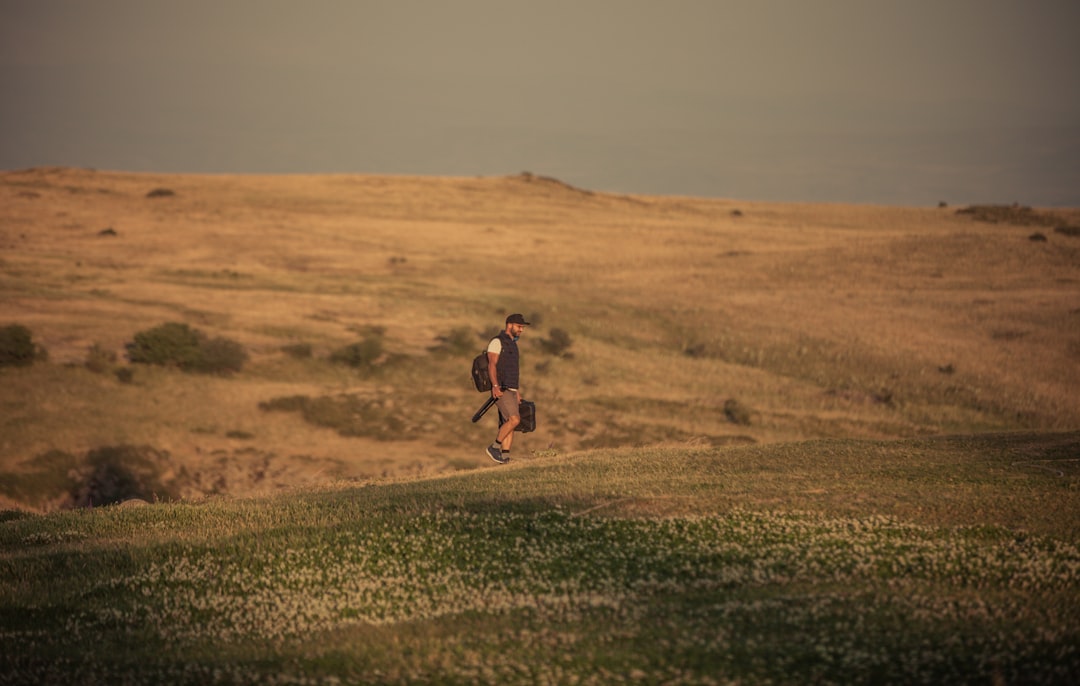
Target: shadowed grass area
{"type": "Point", "coordinates": [943, 560]}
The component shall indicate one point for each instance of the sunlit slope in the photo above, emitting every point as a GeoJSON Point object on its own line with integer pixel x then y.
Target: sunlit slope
{"type": "Point", "coordinates": [692, 321]}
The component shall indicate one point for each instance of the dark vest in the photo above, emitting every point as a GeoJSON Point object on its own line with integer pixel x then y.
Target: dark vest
{"type": "Point", "coordinates": [507, 366]}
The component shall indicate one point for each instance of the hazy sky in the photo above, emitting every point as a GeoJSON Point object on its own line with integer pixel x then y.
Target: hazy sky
{"type": "Point", "coordinates": [899, 102]}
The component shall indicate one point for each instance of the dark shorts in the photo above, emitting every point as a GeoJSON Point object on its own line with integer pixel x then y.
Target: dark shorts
{"type": "Point", "coordinates": [508, 404]}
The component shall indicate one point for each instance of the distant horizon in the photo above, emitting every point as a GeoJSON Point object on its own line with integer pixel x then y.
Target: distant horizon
{"type": "Point", "coordinates": [838, 101]}
{"type": "Point", "coordinates": [540, 175]}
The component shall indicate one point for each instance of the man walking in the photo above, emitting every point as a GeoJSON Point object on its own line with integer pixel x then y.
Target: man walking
{"type": "Point", "coordinates": [504, 368]}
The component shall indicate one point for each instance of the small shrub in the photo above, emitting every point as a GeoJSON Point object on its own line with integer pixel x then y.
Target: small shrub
{"type": "Point", "coordinates": [362, 355]}
{"type": "Point", "coordinates": [459, 341]}
{"type": "Point", "coordinates": [1037, 237]}
{"type": "Point", "coordinates": [736, 412]}
{"type": "Point", "coordinates": [170, 344]}
{"type": "Point", "coordinates": [178, 345]}
{"type": "Point", "coordinates": [161, 193]}
{"type": "Point", "coordinates": [884, 396]}
{"type": "Point", "coordinates": [125, 375]}
{"type": "Point", "coordinates": [17, 348]}
{"type": "Point", "coordinates": [558, 344]}
{"type": "Point", "coordinates": [696, 349]}
{"type": "Point", "coordinates": [99, 360]}
{"type": "Point", "coordinates": [220, 356]}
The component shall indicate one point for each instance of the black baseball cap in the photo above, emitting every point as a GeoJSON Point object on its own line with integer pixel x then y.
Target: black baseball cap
{"type": "Point", "coordinates": [517, 319]}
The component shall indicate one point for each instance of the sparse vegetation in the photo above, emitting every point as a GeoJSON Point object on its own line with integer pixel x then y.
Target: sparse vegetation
{"type": "Point", "coordinates": [17, 347]}
{"type": "Point", "coordinates": [220, 355]}
{"type": "Point", "coordinates": [178, 345]}
{"type": "Point", "coordinates": [736, 412]}
{"type": "Point", "coordinates": [638, 535]}
{"type": "Point", "coordinates": [557, 343]}
{"type": "Point", "coordinates": [174, 344]}
{"type": "Point", "coordinates": [382, 417]}
{"type": "Point", "coordinates": [299, 351]}
{"type": "Point", "coordinates": [459, 341]}
{"type": "Point", "coordinates": [1019, 215]}
{"type": "Point", "coordinates": [362, 355]}
{"type": "Point", "coordinates": [99, 360]}
{"type": "Point", "coordinates": [161, 193]}
{"type": "Point", "coordinates": [830, 336]}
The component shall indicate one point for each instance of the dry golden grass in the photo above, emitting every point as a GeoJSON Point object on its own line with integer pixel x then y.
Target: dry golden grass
{"type": "Point", "coordinates": [824, 320]}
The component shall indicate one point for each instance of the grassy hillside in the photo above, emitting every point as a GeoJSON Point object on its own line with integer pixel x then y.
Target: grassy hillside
{"type": "Point", "coordinates": [690, 322]}
{"type": "Point", "coordinates": [777, 443]}
{"type": "Point", "coordinates": [942, 560]}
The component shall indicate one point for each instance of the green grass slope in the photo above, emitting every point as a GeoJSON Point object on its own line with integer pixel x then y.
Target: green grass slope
{"type": "Point", "coordinates": [939, 560]}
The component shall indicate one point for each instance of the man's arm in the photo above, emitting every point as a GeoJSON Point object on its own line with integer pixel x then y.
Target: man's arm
{"type": "Point", "coordinates": [493, 374]}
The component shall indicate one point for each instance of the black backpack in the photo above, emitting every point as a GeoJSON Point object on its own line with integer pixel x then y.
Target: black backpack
{"type": "Point", "coordinates": [480, 375]}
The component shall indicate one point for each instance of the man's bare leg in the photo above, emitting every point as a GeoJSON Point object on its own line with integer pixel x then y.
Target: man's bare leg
{"type": "Point", "coordinates": [506, 432]}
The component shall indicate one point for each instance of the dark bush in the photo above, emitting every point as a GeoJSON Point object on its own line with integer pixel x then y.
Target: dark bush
{"type": "Point", "coordinates": [178, 345]}
{"type": "Point", "coordinates": [114, 474]}
{"type": "Point", "coordinates": [362, 355]}
{"type": "Point", "coordinates": [736, 412]}
{"type": "Point", "coordinates": [220, 356]}
{"type": "Point", "coordinates": [161, 193]}
{"type": "Point", "coordinates": [558, 344]}
{"type": "Point", "coordinates": [17, 347]}
{"type": "Point", "coordinates": [170, 344]}
{"type": "Point", "coordinates": [459, 341]}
